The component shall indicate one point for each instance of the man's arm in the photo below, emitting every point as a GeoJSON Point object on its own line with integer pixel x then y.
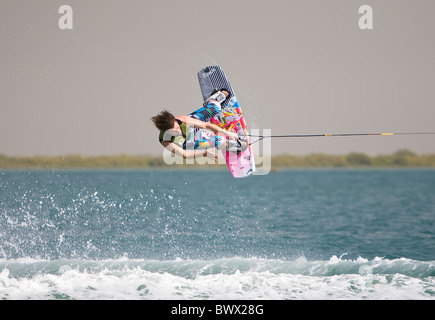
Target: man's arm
{"type": "Point", "coordinates": [187, 154]}
{"type": "Point", "coordinates": [206, 125]}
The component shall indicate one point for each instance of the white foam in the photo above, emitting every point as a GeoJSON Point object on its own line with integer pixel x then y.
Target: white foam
{"type": "Point", "coordinates": [262, 279]}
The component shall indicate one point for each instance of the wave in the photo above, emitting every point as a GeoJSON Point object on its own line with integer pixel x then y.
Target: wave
{"type": "Point", "coordinates": [226, 278]}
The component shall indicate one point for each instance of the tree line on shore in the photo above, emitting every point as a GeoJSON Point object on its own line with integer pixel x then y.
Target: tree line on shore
{"type": "Point", "coordinates": [401, 158]}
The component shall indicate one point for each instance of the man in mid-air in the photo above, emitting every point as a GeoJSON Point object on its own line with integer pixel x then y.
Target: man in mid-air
{"type": "Point", "coordinates": [193, 135]}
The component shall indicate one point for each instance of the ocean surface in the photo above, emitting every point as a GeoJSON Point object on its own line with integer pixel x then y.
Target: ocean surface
{"type": "Point", "coordinates": [199, 234]}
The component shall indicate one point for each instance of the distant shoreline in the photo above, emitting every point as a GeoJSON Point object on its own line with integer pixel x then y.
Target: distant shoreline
{"type": "Point", "coordinates": [400, 159]}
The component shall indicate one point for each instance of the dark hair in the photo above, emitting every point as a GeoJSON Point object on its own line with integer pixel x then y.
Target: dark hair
{"type": "Point", "coordinates": [164, 120]}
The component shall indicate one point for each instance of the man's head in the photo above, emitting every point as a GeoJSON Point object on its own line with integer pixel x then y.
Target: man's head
{"type": "Point", "coordinates": [164, 120]}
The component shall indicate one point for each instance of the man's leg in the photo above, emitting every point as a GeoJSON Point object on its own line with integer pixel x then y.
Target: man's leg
{"type": "Point", "coordinates": [212, 106]}
{"type": "Point", "coordinates": [206, 113]}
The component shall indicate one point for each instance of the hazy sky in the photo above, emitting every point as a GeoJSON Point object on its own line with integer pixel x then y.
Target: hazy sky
{"type": "Point", "coordinates": [300, 66]}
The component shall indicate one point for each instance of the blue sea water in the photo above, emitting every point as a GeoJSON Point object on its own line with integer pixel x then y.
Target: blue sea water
{"type": "Point", "coordinates": [199, 234]}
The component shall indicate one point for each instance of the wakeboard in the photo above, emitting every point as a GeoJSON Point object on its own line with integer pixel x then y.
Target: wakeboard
{"type": "Point", "coordinates": [212, 78]}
